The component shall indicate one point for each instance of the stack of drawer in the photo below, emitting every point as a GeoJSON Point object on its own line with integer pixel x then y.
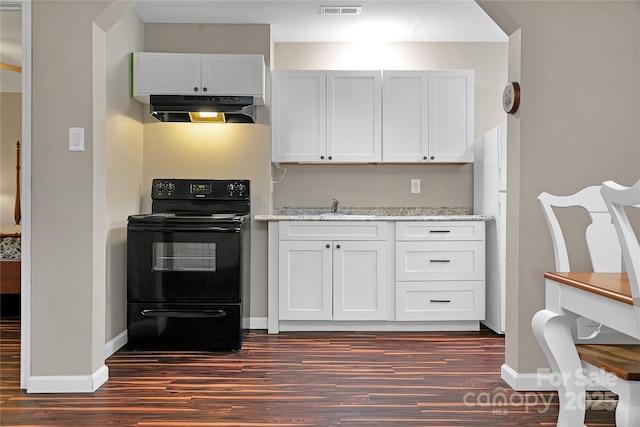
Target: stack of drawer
{"type": "Point", "coordinates": [440, 271]}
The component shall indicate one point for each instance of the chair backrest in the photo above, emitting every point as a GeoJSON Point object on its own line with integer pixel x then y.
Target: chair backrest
{"type": "Point", "coordinates": [601, 237]}
{"type": "Point", "coordinates": [617, 197]}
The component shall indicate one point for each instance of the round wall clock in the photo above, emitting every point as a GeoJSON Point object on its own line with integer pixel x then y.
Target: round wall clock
{"type": "Point", "coordinates": [511, 97]}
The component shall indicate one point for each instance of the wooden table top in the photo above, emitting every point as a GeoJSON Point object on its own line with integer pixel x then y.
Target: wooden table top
{"type": "Point", "coordinates": [610, 285]}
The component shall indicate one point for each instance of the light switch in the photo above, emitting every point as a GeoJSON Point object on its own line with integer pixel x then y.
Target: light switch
{"type": "Point", "coordinates": [76, 139]}
{"type": "Point", "coordinates": [415, 185]}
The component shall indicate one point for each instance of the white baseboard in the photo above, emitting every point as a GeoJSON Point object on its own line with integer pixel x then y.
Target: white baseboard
{"type": "Point", "coordinates": [540, 381]}
{"type": "Point", "coordinates": [258, 323]}
{"type": "Point", "coordinates": [115, 344]}
{"type": "Point", "coordinates": [545, 380]}
{"type": "Point", "coordinates": [68, 383]}
{"type": "Point", "coordinates": [77, 383]}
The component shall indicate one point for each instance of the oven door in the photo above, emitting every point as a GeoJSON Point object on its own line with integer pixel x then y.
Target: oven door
{"type": "Point", "coordinates": [184, 263]}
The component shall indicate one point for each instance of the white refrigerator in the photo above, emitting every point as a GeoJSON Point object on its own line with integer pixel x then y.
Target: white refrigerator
{"type": "Point", "coordinates": [490, 198]}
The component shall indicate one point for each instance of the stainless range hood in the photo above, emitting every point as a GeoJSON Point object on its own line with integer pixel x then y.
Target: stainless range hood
{"type": "Point", "coordinates": [205, 109]}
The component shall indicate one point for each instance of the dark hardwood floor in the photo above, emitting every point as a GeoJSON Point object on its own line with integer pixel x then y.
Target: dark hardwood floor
{"type": "Point", "coordinates": [294, 379]}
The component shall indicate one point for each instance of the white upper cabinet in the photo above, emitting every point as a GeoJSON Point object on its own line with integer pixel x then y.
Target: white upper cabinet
{"type": "Point", "coordinates": [234, 75]}
{"type": "Point", "coordinates": [166, 73]}
{"type": "Point", "coordinates": [373, 116]}
{"type": "Point", "coordinates": [299, 116]}
{"type": "Point", "coordinates": [354, 104]}
{"type": "Point", "coordinates": [451, 123]}
{"type": "Point", "coordinates": [405, 116]}
{"type": "Point", "coordinates": [326, 116]}
{"type": "Point", "coordinates": [158, 73]}
{"type": "Point", "coordinates": [428, 116]}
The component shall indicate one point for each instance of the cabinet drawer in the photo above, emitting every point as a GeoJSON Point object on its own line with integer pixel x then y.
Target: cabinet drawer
{"type": "Point", "coordinates": [333, 230]}
{"type": "Point", "coordinates": [440, 230]}
{"type": "Point", "coordinates": [440, 301]}
{"type": "Point", "coordinates": [440, 260]}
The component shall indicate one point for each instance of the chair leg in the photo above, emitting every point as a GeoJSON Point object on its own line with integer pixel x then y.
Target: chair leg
{"type": "Point", "coordinates": [628, 409]}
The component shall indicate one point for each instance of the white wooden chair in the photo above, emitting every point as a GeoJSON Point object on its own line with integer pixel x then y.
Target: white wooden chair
{"type": "Point", "coordinates": [610, 351]}
{"type": "Point", "coordinates": [602, 244]}
{"type": "Point", "coordinates": [623, 361]}
{"type": "Point", "coordinates": [602, 241]}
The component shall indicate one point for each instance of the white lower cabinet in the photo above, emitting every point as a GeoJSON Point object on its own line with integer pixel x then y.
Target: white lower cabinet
{"type": "Point", "coordinates": [360, 280]}
{"type": "Point", "coordinates": [329, 279]}
{"type": "Point", "coordinates": [339, 280]}
{"type": "Point", "coordinates": [306, 280]}
{"type": "Point", "coordinates": [442, 275]}
{"type": "Point", "coordinates": [376, 275]}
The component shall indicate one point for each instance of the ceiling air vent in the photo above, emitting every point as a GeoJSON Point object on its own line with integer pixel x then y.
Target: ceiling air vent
{"type": "Point", "coordinates": [340, 10]}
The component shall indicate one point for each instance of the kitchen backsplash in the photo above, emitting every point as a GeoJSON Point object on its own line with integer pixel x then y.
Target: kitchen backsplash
{"type": "Point", "coordinates": [373, 186]}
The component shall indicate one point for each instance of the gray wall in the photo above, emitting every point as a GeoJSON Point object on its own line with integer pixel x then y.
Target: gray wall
{"type": "Point", "coordinates": [67, 306]}
{"type": "Point", "coordinates": [78, 217]}
{"type": "Point", "coordinates": [123, 152]}
{"type": "Point", "coordinates": [578, 64]}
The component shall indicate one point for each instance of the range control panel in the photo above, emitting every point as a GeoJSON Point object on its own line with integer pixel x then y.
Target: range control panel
{"type": "Point", "coordinates": [191, 189]}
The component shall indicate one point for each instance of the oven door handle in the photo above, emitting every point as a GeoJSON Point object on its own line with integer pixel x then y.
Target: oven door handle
{"type": "Point", "coordinates": [189, 314]}
{"type": "Point", "coordinates": [186, 229]}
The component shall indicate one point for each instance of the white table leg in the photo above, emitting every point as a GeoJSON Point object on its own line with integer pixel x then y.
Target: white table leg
{"type": "Point", "coordinates": [553, 332]}
{"type": "Point", "coordinates": [628, 409]}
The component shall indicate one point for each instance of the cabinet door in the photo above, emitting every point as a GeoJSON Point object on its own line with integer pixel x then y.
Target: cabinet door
{"type": "Point", "coordinates": [304, 271]}
{"type": "Point", "coordinates": [451, 122]}
{"type": "Point", "coordinates": [360, 280]}
{"type": "Point", "coordinates": [405, 116]}
{"type": "Point", "coordinates": [299, 116]}
{"type": "Point", "coordinates": [354, 116]}
{"type": "Point", "coordinates": [233, 75]}
{"type": "Point", "coordinates": [166, 73]}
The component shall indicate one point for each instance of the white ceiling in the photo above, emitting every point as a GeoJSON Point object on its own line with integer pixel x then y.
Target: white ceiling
{"type": "Point", "coordinates": [298, 21]}
{"type": "Point", "coordinates": [301, 21]}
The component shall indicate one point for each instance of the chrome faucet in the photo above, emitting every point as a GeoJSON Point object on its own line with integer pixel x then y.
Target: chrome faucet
{"type": "Point", "coordinates": [334, 206]}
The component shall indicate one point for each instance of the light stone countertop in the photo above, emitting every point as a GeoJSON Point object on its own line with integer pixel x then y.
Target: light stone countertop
{"type": "Point", "coordinates": [374, 214]}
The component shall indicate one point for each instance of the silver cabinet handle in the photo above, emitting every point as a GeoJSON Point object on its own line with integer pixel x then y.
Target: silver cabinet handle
{"type": "Point", "coordinates": [441, 300]}
{"type": "Point", "coordinates": [439, 260]}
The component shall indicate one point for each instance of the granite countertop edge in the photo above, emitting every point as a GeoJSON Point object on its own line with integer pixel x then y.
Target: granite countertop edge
{"type": "Point", "coordinates": [374, 214]}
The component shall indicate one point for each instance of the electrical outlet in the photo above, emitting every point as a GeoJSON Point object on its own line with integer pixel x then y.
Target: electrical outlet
{"type": "Point", "coordinates": [415, 185]}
